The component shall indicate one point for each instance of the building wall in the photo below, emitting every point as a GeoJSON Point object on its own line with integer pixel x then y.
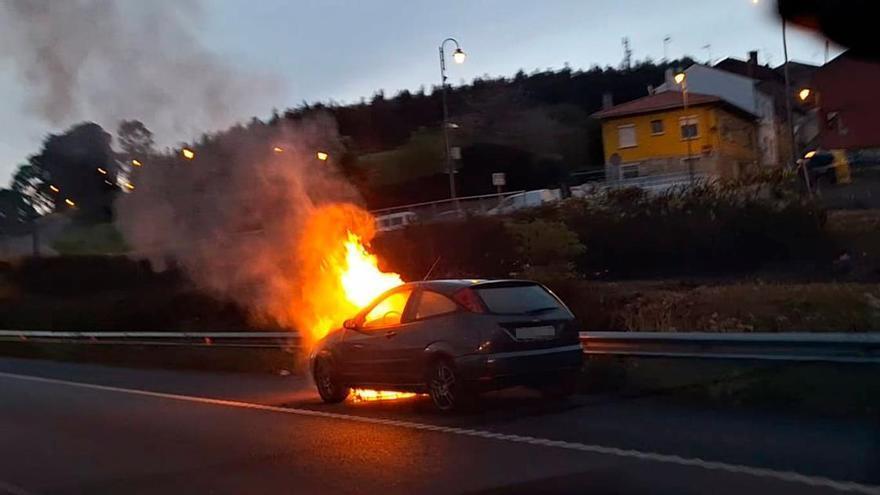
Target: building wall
{"type": "Point", "coordinates": [848, 103]}
{"type": "Point", "coordinates": [726, 145]}
{"type": "Point", "coordinates": [742, 92]}
{"type": "Point", "coordinates": [668, 144]}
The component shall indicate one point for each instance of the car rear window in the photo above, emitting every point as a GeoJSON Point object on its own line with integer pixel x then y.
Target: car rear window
{"type": "Point", "coordinates": [518, 299]}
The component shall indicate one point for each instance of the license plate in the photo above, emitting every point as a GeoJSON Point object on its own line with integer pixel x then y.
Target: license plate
{"type": "Point", "coordinates": [535, 333]}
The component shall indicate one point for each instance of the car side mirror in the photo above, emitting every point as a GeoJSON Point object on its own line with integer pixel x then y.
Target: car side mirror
{"type": "Point", "coordinates": [350, 324]}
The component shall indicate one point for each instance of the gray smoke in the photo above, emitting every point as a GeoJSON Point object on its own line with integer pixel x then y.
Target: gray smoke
{"type": "Point", "coordinates": [108, 60]}
{"type": "Point", "coordinates": [253, 218]}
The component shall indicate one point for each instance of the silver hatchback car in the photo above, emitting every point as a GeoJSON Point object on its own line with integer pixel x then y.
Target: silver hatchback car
{"type": "Point", "coordinates": [453, 339]}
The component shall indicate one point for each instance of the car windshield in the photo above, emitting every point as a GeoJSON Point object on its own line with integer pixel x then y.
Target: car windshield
{"type": "Point", "coordinates": [518, 299]}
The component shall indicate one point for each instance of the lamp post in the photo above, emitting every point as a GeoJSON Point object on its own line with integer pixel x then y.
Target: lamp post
{"type": "Point", "coordinates": [681, 79]}
{"type": "Point", "coordinates": [459, 56]}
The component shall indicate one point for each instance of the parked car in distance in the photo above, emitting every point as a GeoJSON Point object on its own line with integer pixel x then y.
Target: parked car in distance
{"type": "Point", "coordinates": [395, 221]}
{"type": "Point", "coordinates": [526, 199]}
{"type": "Point", "coordinates": [453, 339]}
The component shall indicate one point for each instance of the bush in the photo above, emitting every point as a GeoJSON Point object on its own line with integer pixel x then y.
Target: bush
{"type": "Point", "coordinates": [546, 249]}
{"type": "Point", "coordinates": [470, 248]}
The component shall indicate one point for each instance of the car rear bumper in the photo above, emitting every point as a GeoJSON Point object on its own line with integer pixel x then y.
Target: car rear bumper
{"type": "Point", "coordinates": [503, 369]}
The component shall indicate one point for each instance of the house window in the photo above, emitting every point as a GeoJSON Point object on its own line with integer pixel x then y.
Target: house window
{"type": "Point", "coordinates": [656, 127]}
{"type": "Point", "coordinates": [629, 171]}
{"type": "Point", "coordinates": [626, 136]}
{"type": "Point", "coordinates": [689, 127]}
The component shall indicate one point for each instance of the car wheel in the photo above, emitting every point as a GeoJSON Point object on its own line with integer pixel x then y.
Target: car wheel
{"type": "Point", "coordinates": [563, 387]}
{"type": "Point", "coordinates": [329, 388]}
{"type": "Point", "coordinates": [445, 387]}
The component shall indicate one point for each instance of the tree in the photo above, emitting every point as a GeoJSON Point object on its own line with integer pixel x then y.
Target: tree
{"type": "Point", "coordinates": [30, 183]}
{"type": "Point", "coordinates": [81, 165]}
{"type": "Point", "coordinates": [15, 212]}
{"type": "Point", "coordinates": [134, 140]}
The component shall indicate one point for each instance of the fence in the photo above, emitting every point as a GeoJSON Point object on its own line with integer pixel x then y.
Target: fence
{"type": "Point", "coordinates": [818, 347]}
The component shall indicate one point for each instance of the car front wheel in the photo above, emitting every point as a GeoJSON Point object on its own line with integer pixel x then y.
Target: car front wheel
{"type": "Point", "coordinates": [327, 382]}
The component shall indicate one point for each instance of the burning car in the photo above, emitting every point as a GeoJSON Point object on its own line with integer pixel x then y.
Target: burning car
{"type": "Point", "coordinates": [453, 339]}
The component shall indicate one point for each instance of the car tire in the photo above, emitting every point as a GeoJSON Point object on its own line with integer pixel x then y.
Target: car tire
{"type": "Point", "coordinates": [561, 388]}
{"type": "Point", "coordinates": [445, 387]}
{"type": "Point", "coordinates": [327, 382]}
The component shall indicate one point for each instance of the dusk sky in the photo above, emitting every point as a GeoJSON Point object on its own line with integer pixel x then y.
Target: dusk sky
{"type": "Point", "coordinates": [345, 50]}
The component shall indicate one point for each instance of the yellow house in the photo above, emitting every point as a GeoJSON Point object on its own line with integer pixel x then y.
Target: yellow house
{"type": "Point", "coordinates": [656, 135]}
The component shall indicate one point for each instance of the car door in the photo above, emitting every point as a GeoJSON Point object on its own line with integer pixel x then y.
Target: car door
{"type": "Point", "coordinates": [361, 360]}
{"type": "Point", "coordinates": [428, 319]}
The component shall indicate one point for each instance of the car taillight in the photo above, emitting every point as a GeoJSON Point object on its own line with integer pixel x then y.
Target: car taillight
{"type": "Point", "coordinates": [469, 299]}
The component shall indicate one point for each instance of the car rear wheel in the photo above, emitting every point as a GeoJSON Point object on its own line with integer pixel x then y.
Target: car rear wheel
{"type": "Point", "coordinates": [327, 382]}
{"type": "Point", "coordinates": [445, 387]}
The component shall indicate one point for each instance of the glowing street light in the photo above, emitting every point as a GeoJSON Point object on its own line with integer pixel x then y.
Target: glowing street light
{"type": "Point", "coordinates": [136, 163]}
{"type": "Point", "coordinates": [70, 202]}
{"type": "Point", "coordinates": [102, 171]}
{"type": "Point", "coordinates": [54, 188]}
{"type": "Point", "coordinates": [129, 186]}
{"type": "Point", "coordinates": [188, 153]}
{"type": "Point", "coordinates": [810, 154]}
{"type": "Point", "coordinates": [459, 56]}
{"type": "Point", "coordinates": [680, 78]}
{"type": "Point", "coordinates": [804, 94]}
{"type": "Point", "coordinates": [278, 149]}
{"type": "Point", "coordinates": [322, 156]}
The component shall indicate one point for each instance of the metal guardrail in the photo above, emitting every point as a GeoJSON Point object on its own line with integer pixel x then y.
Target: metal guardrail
{"type": "Point", "coordinates": [818, 347]}
{"type": "Point", "coordinates": [263, 340]}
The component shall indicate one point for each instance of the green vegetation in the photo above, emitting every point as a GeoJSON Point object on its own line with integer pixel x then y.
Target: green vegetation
{"type": "Point", "coordinates": [85, 239]}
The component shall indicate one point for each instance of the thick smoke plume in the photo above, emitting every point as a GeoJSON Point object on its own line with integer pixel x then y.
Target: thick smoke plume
{"type": "Point", "coordinates": [255, 217]}
{"type": "Point", "coordinates": [108, 60]}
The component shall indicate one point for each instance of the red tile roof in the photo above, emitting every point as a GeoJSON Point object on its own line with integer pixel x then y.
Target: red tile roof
{"type": "Point", "coordinates": [667, 100]}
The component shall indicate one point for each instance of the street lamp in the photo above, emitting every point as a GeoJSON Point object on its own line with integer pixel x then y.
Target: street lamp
{"type": "Point", "coordinates": [681, 80]}
{"type": "Point", "coordinates": [804, 94]}
{"type": "Point", "coordinates": [322, 156]}
{"type": "Point", "coordinates": [188, 153]}
{"type": "Point", "coordinates": [459, 57]}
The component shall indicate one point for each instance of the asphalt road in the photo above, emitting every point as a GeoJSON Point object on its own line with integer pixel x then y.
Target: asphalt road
{"type": "Point", "coordinates": [74, 428]}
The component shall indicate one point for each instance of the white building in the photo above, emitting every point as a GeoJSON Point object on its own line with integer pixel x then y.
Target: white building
{"type": "Point", "coordinates": [740, 91]}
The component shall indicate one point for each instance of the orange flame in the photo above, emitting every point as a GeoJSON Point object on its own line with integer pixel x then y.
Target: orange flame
{"type": "Point", "coordinates": [369, 395]}
{"type": "Point", "coordinates": [341, 275]}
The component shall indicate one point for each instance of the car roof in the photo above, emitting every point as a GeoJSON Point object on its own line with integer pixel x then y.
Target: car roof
{"type": "Point", "coordinates": [448, 286]}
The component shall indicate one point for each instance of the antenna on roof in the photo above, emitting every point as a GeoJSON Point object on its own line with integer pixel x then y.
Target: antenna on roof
{"type": "Point", "coordinates": [666, 41]}
{"type": "Point", "coordinates": [431, 270]}
{"type": "Point", "coordinates": [627, 55]}
{"type": "Point", "coordinates": [708, 48]}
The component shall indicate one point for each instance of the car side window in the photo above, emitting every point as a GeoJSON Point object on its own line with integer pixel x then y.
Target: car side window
{"type": "Point", "coordinates": [388, 311]}
{"type": "Point", "coordinates": [434, 304]}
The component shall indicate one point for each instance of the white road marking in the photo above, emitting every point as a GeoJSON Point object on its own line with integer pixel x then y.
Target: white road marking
{"type": "Point", "coordinates": [787, 476]}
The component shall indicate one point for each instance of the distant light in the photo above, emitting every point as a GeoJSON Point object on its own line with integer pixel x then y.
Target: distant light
{"type": "Point", "coordinates": [804, 94]}
{"type": "Point", "coordinates": [54, 188]}
{"type": "Point", "coordinates": [102, 171]}
{"type": "Point", "coordinates": [452, 125]}
{"type": "Point", "coordinates": [108, 182]}
{"type": "Point", "coordinates": [278, 149]}
{"type": "Point", "coordinates": [756, 2]}
{"type": "Point", "coordinates": [459, 56]}
{"type": "Point", "coordinates": [129, 186]}
{"type": "Point", "coordinates": [323, 156]}
{"type": "Point", "coordinates": [136, 163]}
{"type": "Point", "coordinates": [188, 153]}
{"type": "Point", "coordinates": [680, 77]}
{"type": "Point", "coordinates": [810, 154]}
{"type": "Point", "coordinates": [70, 202]}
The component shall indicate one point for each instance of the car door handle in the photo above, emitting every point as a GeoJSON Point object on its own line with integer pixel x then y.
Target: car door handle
{"type": "Point", "coordinates": [390, 334]}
